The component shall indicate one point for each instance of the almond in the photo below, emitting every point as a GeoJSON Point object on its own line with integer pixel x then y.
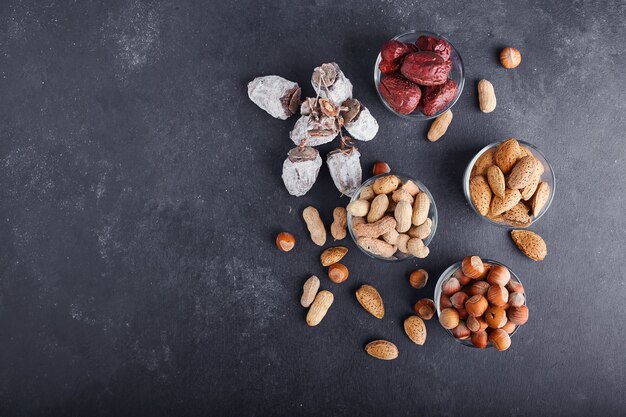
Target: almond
{"type": "Point", "coordinates": [439, 126]}
{"type": "Point", "coordinates": [422, 231]}
{"type": "Point", "coordinates": [371, 301]}
{"type": "Point", "coordinates": [382, 349]}
{"type": "Point", "coordinates": [483, 162]}
{"type": "Point", "coordinates": [421, 206]}
{"type": "Point", "coordinates": [403, 213]}
{"type": "Point", "coordinates": [333, 255]}
{"type": "Point", "coordinates": [540, 198]}
{"type": "Point", "coordinates": [523, 172]}
{"type": "Point", "coordinates": [415, 328]}
{"type": "Point", "coordinates": [529, 190]}
{"type": "Point", "coordinates": [486, 96]}
{"type": "Point", "coordinates": [319, 308]}
{"type": "Point", "coordinates": [480, 193]}
{"type": "Point", "coordinates": [500, 205]}
{"type": "Point", "coordinates": [507, 154]}
{"type": "Point", "coordinates": [530, 243]}
{"type": "Point", "coordinates": [517, 216]}
{"type": "Point", "coordinates": [495, 178]}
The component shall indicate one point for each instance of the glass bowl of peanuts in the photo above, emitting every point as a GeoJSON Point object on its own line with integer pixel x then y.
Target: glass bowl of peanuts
{"type": "Point", "coordinates": [392, 217]}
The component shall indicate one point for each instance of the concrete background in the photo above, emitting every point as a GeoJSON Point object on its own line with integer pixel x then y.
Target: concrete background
{"type": "Point", "coordinates": [140, 194]}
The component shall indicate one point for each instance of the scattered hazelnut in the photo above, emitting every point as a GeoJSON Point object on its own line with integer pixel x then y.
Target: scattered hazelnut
{"type": "Point", "coordinates": [516, 299]}
{"type": "Point", "coordinates": [472, 266]}
{"type": "Point", "coordinates": [444, 302]}
{"type": "Point", "coordinates": [450, 286]}
{"type": "Point", "coordinates": [479, 288]}
{"type": "Point", "coordinates": [338, 273]}
{"type": "Point", "coordinates": [510, 58]}
{"type": "Point", "coordinates": [461, 331]}
{"type": "Point", "coordinates": [509, 327]}
{"type": "Point", "coordinates": [458, 299]}
{"type": "Point", "coordinates": [449, 318]}
{"type": "Point", "coordinates": [499, 275]}
{"type": "Point", "coordinates": [500, 339]}
{"type": "Point", "coordinates": [476, 306]}
{"type": "Point", "coordinates": [479, 339]}
{"type": "Point", "coordinates": [495, 317]}
{"type": "Point", "coordinates": [418, 278]}
{"type": "Point", "coordinates": [497, 295]}
{"type": "Point", "coordinates": [380, 168]}
{"type": "Point", "coordinates": [425, 308]}
{"type": "Point", "coordinates": [285, 241]}
{"type": "Point", "coordinates": [518, 315]}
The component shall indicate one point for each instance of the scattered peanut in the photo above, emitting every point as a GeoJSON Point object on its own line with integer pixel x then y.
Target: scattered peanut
{"type": "Point", "coordinates": [315, 225]}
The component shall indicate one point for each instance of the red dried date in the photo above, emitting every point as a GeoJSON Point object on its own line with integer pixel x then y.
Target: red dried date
{"type": "Point", "coordinates": [425, 68]}
{"type": "Point", "coordinates": [438, 97]}
{"type": "Point", "coordinates": [394, 50]}
{"type": "Point", "coordinates": [436, 45]}
{"type": "Point", "coordinates": [388, 67]}
{"type": "Point", "coordinates": [402, 95]}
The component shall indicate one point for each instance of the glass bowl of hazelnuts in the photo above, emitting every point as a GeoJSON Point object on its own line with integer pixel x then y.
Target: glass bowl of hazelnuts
{"type": "Point", "coordinates": [419, 75]}
{"type": "Point", "coordinates": [481, 303]}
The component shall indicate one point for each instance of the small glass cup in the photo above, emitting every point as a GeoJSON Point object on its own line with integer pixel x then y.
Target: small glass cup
{"type": "Point", "coordinates": [447, 274]}
{"type": "Point", "coordinates": [432, 214]}
{"type": "Point", "coordinates": [547, 176]}
{"type": "Point", "coordinates": [457, 73]}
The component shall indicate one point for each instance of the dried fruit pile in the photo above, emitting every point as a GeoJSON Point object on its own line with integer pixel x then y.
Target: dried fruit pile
{"type": "Point", "coordinates": [415, 76]}
{"type": "Point", "coordinates": [321, 120]}
{"type": "Point", "coordinates": [481, 302]}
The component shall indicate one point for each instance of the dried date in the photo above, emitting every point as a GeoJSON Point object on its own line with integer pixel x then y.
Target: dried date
{"type": "Point", "coordinates": [426, 68]}
{"type": "Point", "coordinates": [437, 98]}
{"type": "Point", "coordinates": [402, 95]}
{"type": "Point", "coordinates": [436, 45]}
{"type": "Point", "coordinates": [394, 50]}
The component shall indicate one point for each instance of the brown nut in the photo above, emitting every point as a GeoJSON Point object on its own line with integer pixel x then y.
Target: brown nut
{"type": "Point", "coordinates": [479, 339]}
{"type": "Point", "coordinates": [476, 324]}
{"type": "Point", "coordinates": [479, 288]}
{"type": "Point", "coordinates": [509, 327]}
{"type": "Point", "coordinates": [499, 275]}
{"type": "Point", "coordinates": [285, 241]}
{"type": "Point", "coordinates": [472, 266]}
{"type": "Point", "coordinates": [495, 317]}
{"type": "Point", "coordinates": [463, 279]}
{"type": "Point", "coordinates": [518, 315]}
{"type": "Point", "coordinates": [449, 318]}
{"type": "Point", "coordinates": [425, 308]}
{"type": "Point", "coordinates": [386, 184]}
{"type": "Point", "coordinates": [500, 339]}
{"type": "Point", "coordinates": [461, 331]}
{"type": "Point", "coordinates": [486, 96]}
{"type": "Point", "coordinates": [476, 305]}
{"type": "Point", "coordinates": [458, 299]}
{"type": "Point", "coordinates": [516, 299]}
{"type": "Point", "coordinates": [510, 58]}
{"type": "Point", "coordinates": [333, 255]}
{"type": "Point", "coordinates": [444, 302]}
{"type": "Point", "coordinates": [515, 286]}
{"type": "Point", "coordinates": [418, 278]}
{"type": "Point", "coordinates": [380, 168]}
{"type": "Point", "coordinates": [339, 224]}
{"type": "Point", "coordinates": [338, 273]}
{"type": "Point", "coordinates": [497, 295]}
{"type": "Point", "coordinates": [450, 286]}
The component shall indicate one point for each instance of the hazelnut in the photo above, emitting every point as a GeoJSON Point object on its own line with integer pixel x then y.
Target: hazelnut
{"type": "Point", "coordinates": [500, 339]}
{"type": "Point", "coordinates": [463, 279]}
{"type": "Point", "coordinates": [479, 339]}
{"type": "Point", "coordinates": [380, 168]}
{"type": "Point", "coordinates": [510, 58]}
{"type": "Point", "coordinates": [444, 302]}
{"type": "Point", "coordinates": [450, 286]}
{"type": "Point", "coordinates": [462, 313]}
{"type": "Point", "coordinates": [458, 299]}
{"type": "Point", "coordinates": [418, 278]}
{"type": "Point", "coordinates": [461, 331]}
{"type": "Point", "coordinates": [497, 295]}
{"type": "Point", "coordinates": [476, 324]}
{"type": "Point", "coordinates": [518, 315]}
{"type": "Point", "coordinates": [449, 318]}
{"type": "Point", "coordinates": [476, 305]}
{"type": "Point", "coordinates": [516, 299]}
{"type": "Point", "coordinates": [509, 327]}
{"type": "Point", "coordinates": [499, 275]}
{"type": "Point", "coordinates": [425, 308]}
{"type": "Point", "coordinates": [285, 241]}
{"type": "Point", "coordinates": [472, 266]}
{"type": "Point", "coordinates": [495, 317]}
{"type": "Point", "coordinates": [514, 286]}
{"type": "Point", "coordinates": [338, 273]}
{"type": "Point", "coordinates": [479, 288]}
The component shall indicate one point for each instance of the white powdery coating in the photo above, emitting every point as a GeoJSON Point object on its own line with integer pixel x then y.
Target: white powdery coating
{"type": "Point", "coordinates": [345, 170]}
{"type": "Point", "coordinates": [268, 93]}
{"type": "Point", "coordinates": [337, 93]}
{"type": "Point", "coordinates": [301, 131]}
{"type": "Point", "coordinates": [299, 177]}
{"type": "Point", "coordinates": [365, 127]}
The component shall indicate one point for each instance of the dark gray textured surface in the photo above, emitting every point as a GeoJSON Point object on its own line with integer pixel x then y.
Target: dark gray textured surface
{"type": "Point", "coordinates": [140, 195]}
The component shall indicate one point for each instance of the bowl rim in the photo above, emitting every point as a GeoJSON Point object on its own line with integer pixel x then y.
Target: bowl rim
{"type": "Point", "coordinates": [448, 273]}
{"type": "Point", "coordinates": [468, 172]}
{"type": "Point", "coordinates": [420, 115]}
{"type": "Point", "coordinates": [422, 187]}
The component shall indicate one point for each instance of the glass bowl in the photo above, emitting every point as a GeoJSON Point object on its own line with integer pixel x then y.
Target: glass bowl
{"type": "Point", "coordinates": [457, 73]}
{"type": "Point", "coordinates": [547, 176]}
{"type": "Point", "coordinates": [447, 274]}
{"type": "Point", "coordinates": [432, 214]}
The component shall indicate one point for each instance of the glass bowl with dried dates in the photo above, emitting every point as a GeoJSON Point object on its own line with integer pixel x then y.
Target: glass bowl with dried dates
{"type": "Point", "coordinates": [419, 75]}
{"type": "Point", "coordinates": [509, 183]}
{"type": "Point", "coordinates": [481, 303]}
{"type": "Point", "coordinates": [392, 217]}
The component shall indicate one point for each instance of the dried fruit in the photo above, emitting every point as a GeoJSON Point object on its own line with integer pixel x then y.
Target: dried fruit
{"type": "Point", "coordinates": [382, 349]}
{"type": "Point", "coordinates": [309, 290]}
{"type": "Point", "coordinates": [540, 198]}
{"type": "Point", "coordinates": [387, 67]}
{"type": "Point", "coordinates": [393, 50]}
{"type": "Point", "coordinates": [402, 95]}
{"type": "Point", "coordinates": [439, 126]}
{"type": "Point", "coordinates": [300, 170]}
{"type": "Point", "coordinates": [449, 318]}
{"type": "Point", "coordinates": [345, 169]}
{"type": "Point", "coordinates": [415, 329]}
{"type": "Point", "coordinates": [476, 305]}
{"type": "Point", "coordinates": [436, 45]}
{"type": "Point", "coordinates": [479, 339]}
{"type": "Point", "coordinates": [315, 225]}
{"type": "Point", "coordinates": [500, 339]}
{"type": "Point", "coordinates": [377, 246]}
{"type": "Point", "coordinates": [500, 205]}
{"type": "Point", "coordinates": [386, 184]}
{"type": "Point", "coordinates": [495, 177]}
{"type": "Point", "coordinates": [421, 207]}
{"type": "Point", "coordinates": [486, 96]}
{"type": "Point", "coordinates": [425, 68]}
{"type": "Point", "coordinates": [438, 98]}
{"type": "Point", "coordinates": [371, 301]}
{"type": "Point", "coordinates": [518, 315]}
{"type": "Point", "coordinates": [480, 194]}
{"type": "Point", "coordinates": [279, 97]}
{"type": "Point", "coordinates": [314, 130]}
{"type": "Point", "coordinates": [530, 243]}
{"type": "Point", "coordinates": [333, 255]}
{"type": "Point", "coordinates": [425, 308]}
{"type": "Point", "coordinates": [338, 273]}
{"type": "Point", "coordinates": [285, 241]}
{"type": "Point", "coordinates": [380, 168]}
{"type": "Point", "coordinates": [378, 207]}
{"type": "Point", "coordinates": [472, 266]}
{"type": "Point", "coordinates": [319, 308]}
{"type": "Point", "coordinates": [523, 172]}
{"type": "Point", "coordinates": [363, 126]}
{"type": "Point", "coordinates": [507, 154]}
{"type": "Point", "coordinates": [403, 213]}
{"type": "Point", "coordinates": [510, 58]}
{"type": "Point", "coordinates": [330, 82]}
{"type": "Point", "coordinates": [339, 224]}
